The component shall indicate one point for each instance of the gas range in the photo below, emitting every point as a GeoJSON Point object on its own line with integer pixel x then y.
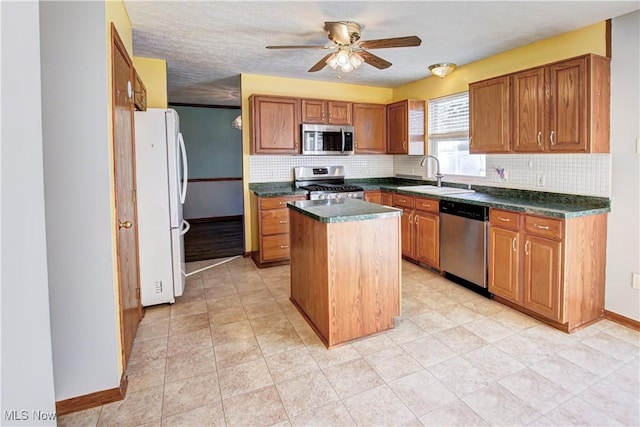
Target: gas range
{"type": "Point", "coordinates": [325, 182]}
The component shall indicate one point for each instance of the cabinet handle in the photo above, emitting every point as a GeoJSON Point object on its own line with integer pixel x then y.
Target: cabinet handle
{"type": "Point", "coordinates": [282, 221]}
{"type": "Point", "coordinates": [514, 245]}
{"type": "Point", "coordinates": [542, 227]}
{"type": "Point", "coordinates": [283, 203]}
{"type": "Point", "coordinates": [470, 140]}
{"type": "Point", "coordinates": [504, 219]}
{"type": "Point", "coordinates": [355, 144]}
{"type": "Point", "coordinates": [526, 247]}
{"type": "Point", "coordinates": [551, 140]}
{"type": "Point", "coordinates": [402, 200]}
{"type": "Point", "coordinates": [410, 218]}
{"type": "Point", "coordinates": [284, 246]}
{"type": "Point", "coordinates": [416, 220]}
{"type": "Point", "coordinates": [539, 139]}
{"type": "Point", "coordinates": [404, 145]}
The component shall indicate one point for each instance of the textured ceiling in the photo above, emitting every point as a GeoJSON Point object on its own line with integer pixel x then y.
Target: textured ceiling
{"type": "Point", "coordinates": [208, 44]}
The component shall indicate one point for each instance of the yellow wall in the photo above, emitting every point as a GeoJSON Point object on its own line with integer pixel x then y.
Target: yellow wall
{"type": "Point", "coordinates": [116, 13]}
{"type": "Point", "coordinates": [267, 85]}
{"type": "Point", "coordinates": [590, 39]}
{"type": "Point", "coordinates": [154, 76]}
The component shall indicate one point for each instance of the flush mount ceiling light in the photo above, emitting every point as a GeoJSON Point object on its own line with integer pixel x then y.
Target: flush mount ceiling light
{"type": "Point", "coordinates": [443, 69]}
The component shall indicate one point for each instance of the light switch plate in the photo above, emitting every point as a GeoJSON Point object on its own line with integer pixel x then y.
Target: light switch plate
{"type": "Point", "coordinates": [635, 282]}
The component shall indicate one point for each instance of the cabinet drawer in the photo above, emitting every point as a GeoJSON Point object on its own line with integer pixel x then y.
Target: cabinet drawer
{"type": "Point", "coordinates": [504, 219]}
{"type": "Point", "coordinates": [544, 227]}
{"type": "Point", "coordinates": [427, 205]}
{"type": "Point", "coordinates": [275, 247]}
{"type": "Point", "coordinates": [278, 202]}
{"type": "Point", "coordinates": [274, 221]}
{"type": "Point", "coordinates": [404, 201]}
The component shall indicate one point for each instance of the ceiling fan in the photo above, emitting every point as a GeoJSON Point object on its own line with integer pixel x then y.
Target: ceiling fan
{"type": "Point", "coordinates": [349, 51]}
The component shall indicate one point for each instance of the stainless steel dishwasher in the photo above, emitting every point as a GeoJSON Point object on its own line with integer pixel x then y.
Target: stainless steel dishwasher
{"type": "Point", "coordinates": [463, 243]}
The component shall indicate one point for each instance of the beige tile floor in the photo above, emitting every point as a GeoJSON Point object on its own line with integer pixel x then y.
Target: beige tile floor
{"type": "Point", "coordinates": [234, 351]}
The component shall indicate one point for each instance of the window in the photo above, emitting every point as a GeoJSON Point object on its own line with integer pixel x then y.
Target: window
{"type": "Point", "coordinates": [449, 136]}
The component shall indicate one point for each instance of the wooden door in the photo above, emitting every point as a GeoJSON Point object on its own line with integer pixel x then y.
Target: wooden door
{"type": "Point", "coordinates": [489, 116]}
{"type": "Point", "coordinates": [275, 125]}
{"type": "Point", "coordinates": [427, 238]}
{"type": "Point", "coordinates": [528, 111]}
{"type": "Point", "coordinates": [406, 230]}
{"type": "Point", "coordinates": [370, 128]}
{"type": "Point", "coordinates": [568, 84]}
{"type": "Point", "coordinates": [543, 276]}
{"type": "Point", "coordinates": [314, 111]}
{"type": "Point", "coordinates": [124, 175]}
{"type": "Point", "coordinates": [339, 113]}
{"type": "Point", "coordinates": [397, 128]}
{"type": "Point", "coordinates": [504, 263]}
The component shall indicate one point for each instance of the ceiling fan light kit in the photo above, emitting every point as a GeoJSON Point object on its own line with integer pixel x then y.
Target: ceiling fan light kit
{"type": "Point", "coordinates": [443, 69]}
{"type": "Point", "coordinates": [350, 51]}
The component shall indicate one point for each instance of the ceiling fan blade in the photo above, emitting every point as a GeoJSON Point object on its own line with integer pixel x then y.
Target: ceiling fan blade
{"type": "Point", "coordinates": [392, 42]}
{"type": "Point", "coordinates": [374, 60]}
{"type": "Point", "coordinates": [320, 64]}
{"type": "Point", "coordinates": [338, 32]}
{"type": "Point", "coordinates": [299, 47]}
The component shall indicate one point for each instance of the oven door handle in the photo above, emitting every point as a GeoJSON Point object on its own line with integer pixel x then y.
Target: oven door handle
{"type": "Point", "coordinates": [343, 136]}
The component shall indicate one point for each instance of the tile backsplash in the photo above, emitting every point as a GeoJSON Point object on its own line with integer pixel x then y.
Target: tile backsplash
{"type": "Point", "coordinates": [583, 174]}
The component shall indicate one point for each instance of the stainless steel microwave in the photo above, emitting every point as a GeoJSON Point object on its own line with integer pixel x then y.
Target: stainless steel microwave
{"type": "Point", "coordinates": [327, 139]}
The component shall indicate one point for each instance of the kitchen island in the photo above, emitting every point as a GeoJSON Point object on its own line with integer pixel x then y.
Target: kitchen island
{"type": "Point", "coordinates": [345, 267]}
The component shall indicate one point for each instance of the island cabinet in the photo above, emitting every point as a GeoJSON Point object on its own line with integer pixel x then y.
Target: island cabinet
{"type": "Point", "coordinates": [345, 275]}
{"type": "Point", "coordinates": [550, 268]}
{"type": "Point", "coordinates": [275, 125]}
{"type": "Point", "coordinates": [326, 112]}
{"type": "Point", "coordinates": [420, 226]}
{"type": "Point", "coordinates": [273, 230]}
{"type": "Point", "coordinates": [370, 128]}
{"type": "Point", "coordinates": [405, 127]}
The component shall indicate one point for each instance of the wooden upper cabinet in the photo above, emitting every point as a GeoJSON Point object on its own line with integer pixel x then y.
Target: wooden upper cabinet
{"type": "Point", "coordinates": [529, 128]}
{"type": "Point", "coordinates": [139, 93]}
{"type": "Point", "coordinates": [326, 112]}
{"type": "Point", "coordinates": [275, 125]}
{"type": "Point", "coordinates": [559, 107]}
{"type": "Point", "coordinates": [370, 128]}
{"type": "Point", "coordinates": [405, 127]}
{"type": "Point", "coordinates": [489, 116]}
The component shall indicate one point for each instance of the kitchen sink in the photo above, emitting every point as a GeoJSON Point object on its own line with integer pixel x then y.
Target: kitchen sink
{"type": "Point", "coordinates": [438, 191]}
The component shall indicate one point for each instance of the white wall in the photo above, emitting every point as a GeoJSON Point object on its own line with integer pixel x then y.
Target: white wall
{"type": "Point", "coordinates": [623, 240]}
{"type": "Point", "coordinates": [27, 373]}
{"type": "Point", "coordinates": [78, 197]}
{"type": "Point", "coordinates": [213, 199]}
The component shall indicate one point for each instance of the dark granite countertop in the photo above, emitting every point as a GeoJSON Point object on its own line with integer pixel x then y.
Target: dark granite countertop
{"type": "Point", "coordinates": [343, 210]}
{"type": "Point", "coordinates": [534, 202]}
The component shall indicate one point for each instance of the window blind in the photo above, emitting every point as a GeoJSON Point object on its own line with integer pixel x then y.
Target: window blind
{"type": "Point", "coordinates": [449, 117]}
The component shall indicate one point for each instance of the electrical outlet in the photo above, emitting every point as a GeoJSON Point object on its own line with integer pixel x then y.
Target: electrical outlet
{"type": "Point", "coordinates": [635, 282]}
{"type": "Point", "coordinates": [540, 180]}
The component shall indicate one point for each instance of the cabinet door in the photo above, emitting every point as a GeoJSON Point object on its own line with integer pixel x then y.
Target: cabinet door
{"type": "Point", "coordinates": [275, 122]}
{"type": "Point", "coordinates": [543, 277]}
{"type": "Point", "coordinates": [314, 111]}
{"type": "Point", "coordinates": [528, 111]}
{"type": "Point", "coordinates": [427, 238]}
{"type": "Point", "coordinates": [373, 197]}
{"type": "Point", "coordinates": [339, 113]}
{"type": "Point", "coordinates": [370, 128]}
{"type": "Point", "coordinates": [406, 229]}
{"type": "Point", "coordinates": [387, 199]}
{"type": "Point", "coordinates": [489, 112]}
{"type": "Point", "coordinates": [397, 119]}
{"type": "Point", "coordinates": [504, 259]}
{"type": "Point", "coordinates": [568, 106]}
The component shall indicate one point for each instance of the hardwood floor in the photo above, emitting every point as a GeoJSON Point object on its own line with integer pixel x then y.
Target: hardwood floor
{"type": "Point", "coordinates": [215, 239]}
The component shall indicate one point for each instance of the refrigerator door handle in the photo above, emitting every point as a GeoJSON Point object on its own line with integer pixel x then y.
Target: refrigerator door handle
{"type": "Point", "coordinates": [185, 227]}
{"type": "Point", "coordinates": [185, 170]}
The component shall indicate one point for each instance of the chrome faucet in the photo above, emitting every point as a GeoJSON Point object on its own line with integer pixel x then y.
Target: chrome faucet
{"type": "Point", "coordinates": [439, 176]}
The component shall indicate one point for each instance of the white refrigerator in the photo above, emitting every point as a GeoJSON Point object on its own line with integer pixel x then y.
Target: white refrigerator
{"type": "Point", "coordinates": [161, 183]}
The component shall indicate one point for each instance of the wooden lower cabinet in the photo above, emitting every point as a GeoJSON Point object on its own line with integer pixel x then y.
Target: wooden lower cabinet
{"type": "Point", "coordinates": [386, 198]}
{"type": "Point", "coordinates": [552, 269]}
{"type": "Point", "coordinates": [373, 197]}
{"type": "Point", "coordinates": [420, 229]}
{"type": "Point", "coordinates": [273, 230]}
